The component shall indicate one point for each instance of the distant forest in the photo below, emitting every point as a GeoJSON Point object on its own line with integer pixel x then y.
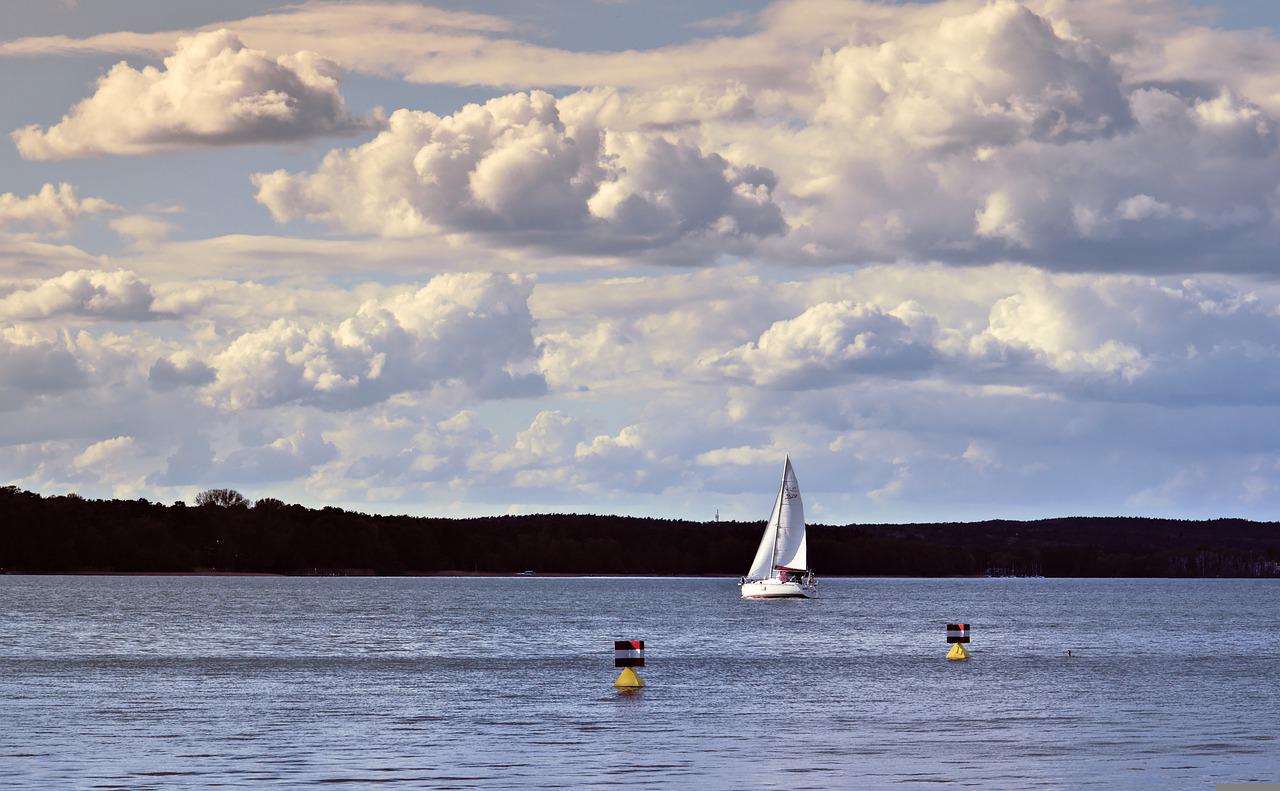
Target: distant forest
{"type": "Point", "coordinates": [225, 533]}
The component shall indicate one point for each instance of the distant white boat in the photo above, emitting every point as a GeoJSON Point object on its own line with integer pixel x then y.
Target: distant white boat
{"type": "Point", "coordinates": [781, 566]}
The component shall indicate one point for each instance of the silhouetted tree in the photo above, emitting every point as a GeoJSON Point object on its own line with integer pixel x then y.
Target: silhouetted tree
{"type": "Point", "coordinates": [227, 498]}
{"type": "Point", "coordinates": [70, 534]}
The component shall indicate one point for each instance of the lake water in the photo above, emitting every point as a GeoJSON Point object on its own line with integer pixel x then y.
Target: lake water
{"type": "Point", "coordinates": [164, 682]}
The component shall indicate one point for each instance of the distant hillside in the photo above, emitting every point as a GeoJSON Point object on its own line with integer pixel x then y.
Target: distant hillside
{"type": "Point", "coordinates": [70, 534]}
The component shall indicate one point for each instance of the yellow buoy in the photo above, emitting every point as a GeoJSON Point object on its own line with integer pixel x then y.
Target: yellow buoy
{"type": "Point", "coordinates": [629, 678]}
{"type": "Point", "coordinates": [957, 652]}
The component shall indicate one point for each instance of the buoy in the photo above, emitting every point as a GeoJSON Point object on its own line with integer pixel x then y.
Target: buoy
{"type": "Point", "coordinates": [628, 655]}
{"type": "Point", "coordinates": [957, 635]}
{"type": "Point", "coordinates": [628, 679]}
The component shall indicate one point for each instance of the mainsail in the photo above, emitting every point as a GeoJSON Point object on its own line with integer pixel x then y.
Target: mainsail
{"type": "Point", "coordinates": [783, 544]}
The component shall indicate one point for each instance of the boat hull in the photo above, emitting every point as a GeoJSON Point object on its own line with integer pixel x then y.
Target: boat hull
{"type": "Point", "coordinates": [776, 589]}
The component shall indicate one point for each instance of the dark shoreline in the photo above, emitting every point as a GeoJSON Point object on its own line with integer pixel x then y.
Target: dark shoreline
{"type": "Point", "coordinates": [65, 534]}
{"type": "Point", "coordinates": [468, 574]}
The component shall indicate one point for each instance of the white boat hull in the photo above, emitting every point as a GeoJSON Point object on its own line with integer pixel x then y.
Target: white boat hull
{"type": "Point", "coordinates": [776, 589]}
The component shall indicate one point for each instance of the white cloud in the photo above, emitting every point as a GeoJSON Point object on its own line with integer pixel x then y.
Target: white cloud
{"type": "Point", "coordinates": [967, 134]}
{"type": "Point", "coordinates": [212, 91]}
{"type": "Point", "coordinates": [1090, 135]}
{"type": "Point", "coordinates": [1120, 338]}
{"type": "Point", "coordinates": [1031, 376]}
{"type": "Point", "coordinates": [511, 170]}
{"type": "Point", "coordinates": [573, 359]}
{"type": "Point", "coordinates": [831, 341]}
{"type": "Point", "coordinates": [669, 107]}
{"type": "Point", "coordinates": [743, 456]}
{"type": "Point", "coordinates": [102, 454]}
{"type": "Point", "coordinates": [991, 77]}
{"type": "Point", "coordinates": [963, 132]}
{"type": "Point", "coordinates": [120, 295]}
{"type": "Point", "coordinates": [52, 208]}
{"type": "Point", "coordinates": [471, 329]}
{"type": "Point", "coordinates": [141, 229]}
{"type": "Point", "coordinates": [540, 453]}
{"type": "Point", "coordinates": [981, 455]}
{"type": "Point", "coordinates": [425, 44]}
{"type": "Point", "coordinates": [24, 257]}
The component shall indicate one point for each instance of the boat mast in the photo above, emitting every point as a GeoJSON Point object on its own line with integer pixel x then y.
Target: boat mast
{"type": "Point", "coordinates": [777, 525]}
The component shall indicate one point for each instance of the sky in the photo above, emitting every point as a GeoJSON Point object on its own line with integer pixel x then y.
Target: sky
{"type": "Point", "coordinates": [961, 260]}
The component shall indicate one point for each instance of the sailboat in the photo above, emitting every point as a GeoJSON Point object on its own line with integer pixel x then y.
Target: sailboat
{"type": "Point", "coordinates": [780, 569]}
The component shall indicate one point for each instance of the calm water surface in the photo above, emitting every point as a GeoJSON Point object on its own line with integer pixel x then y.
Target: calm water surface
{"type": "Point", "coordinates": [164, 682]}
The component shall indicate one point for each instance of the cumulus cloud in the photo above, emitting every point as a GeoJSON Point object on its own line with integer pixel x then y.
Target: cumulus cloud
{"type": "Point", "coordinates": [573, 359]}
{"type": "Point", "coordinates": [511, 169]}
{"type": "Point", "coordinates": [899, 388]}
{"type": "Point", "coordinates": [976, 134]}
{"type": "Point", "coordinates": [399, 447]}
{"type": "Point", "coordinates": [831, 341]}
{"type": "Point", "coordinates": [992, 77]}
{"type": "Point", "coordinates": [120, 295]}
{"type": "Point", "coordinates": [1115, 338]}
{"type": "Point", "coordinates": [470, 329]}
{"type": "Point", "coordinates": [34, 363]}
{"type": "Point", "coordinates": [959, 132]}
{"type": "Point", "coordinates": [182, 369]}
{"type": "Point", "coordinates": [1080, 136]}
{"type": "Point", "coordinates": [212, 91]}
{"type": "Point", "coordinates": [538, 455]}
{"type": "Point", "coordinates": [52, 208]}
{"type": "Point", "coordinates": [1123, 139]}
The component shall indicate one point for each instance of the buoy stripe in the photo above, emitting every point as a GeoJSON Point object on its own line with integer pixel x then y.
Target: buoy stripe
{"type": "Point", "coordinates": [957, 633]}
{"type": "Point", "coordinates": [628, 653]}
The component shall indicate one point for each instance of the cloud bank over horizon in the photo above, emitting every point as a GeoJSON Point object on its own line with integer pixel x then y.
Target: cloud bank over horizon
{"type": "Point", "coordinates": [960, 259]}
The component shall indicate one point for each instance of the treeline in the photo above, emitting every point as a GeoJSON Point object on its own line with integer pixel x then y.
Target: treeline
{"type": "Point", "coordinates": [226, 534]}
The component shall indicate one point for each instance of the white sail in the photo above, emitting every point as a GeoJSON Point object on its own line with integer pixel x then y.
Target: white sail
{"type": "Point", "coordinates": [783, 543]}
{"type": "Point", "coordinates": [762, 565]}
{"type": "Point", "coordinates": [790, 551]}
